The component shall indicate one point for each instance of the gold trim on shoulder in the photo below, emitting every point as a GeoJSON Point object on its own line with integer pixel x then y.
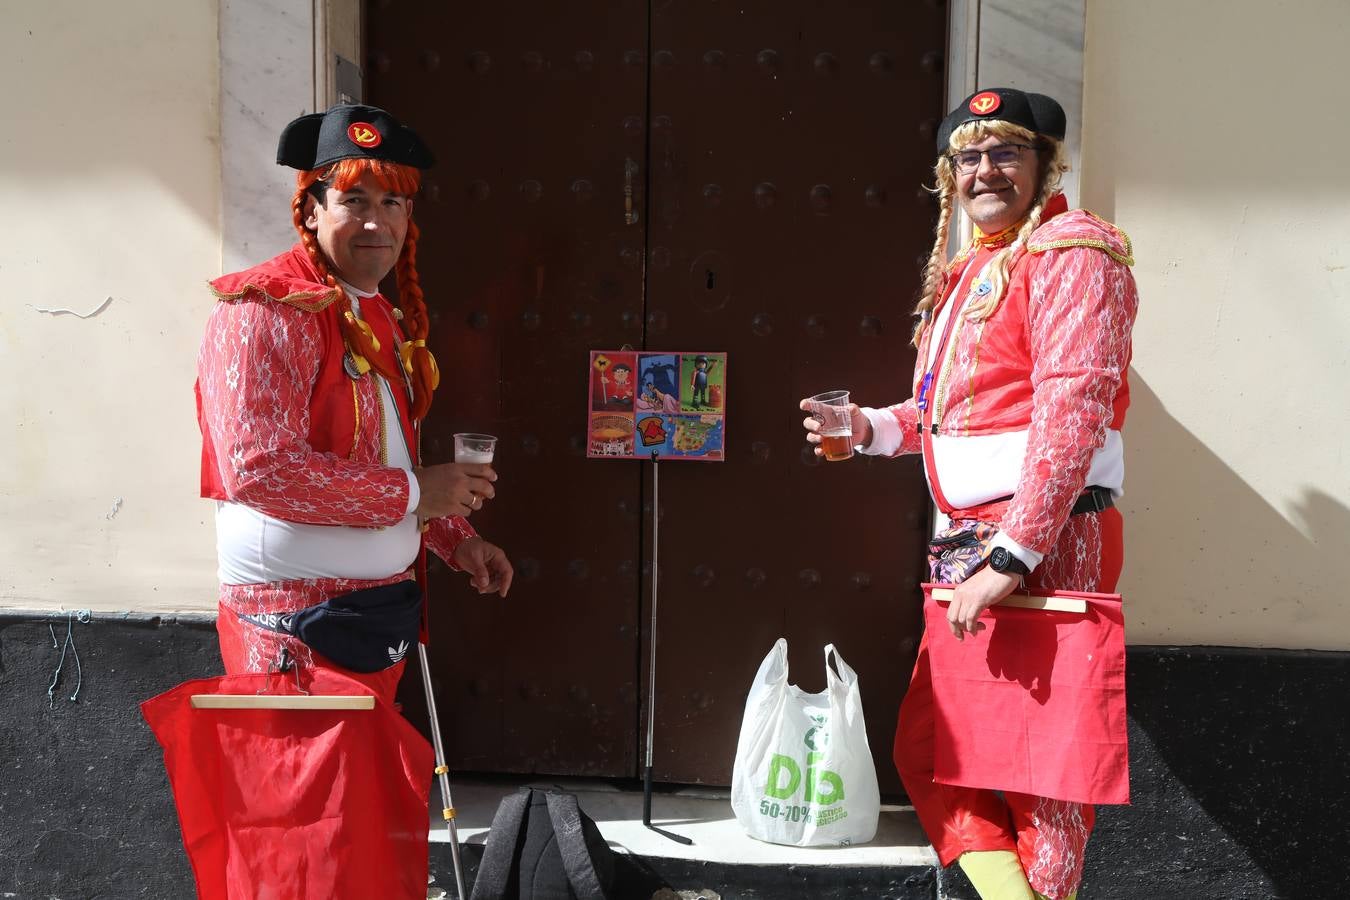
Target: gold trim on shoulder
{"type": "Point", "coordinates": [1126, 259]}
{"type": "Point", "coordinates": [309, 301]}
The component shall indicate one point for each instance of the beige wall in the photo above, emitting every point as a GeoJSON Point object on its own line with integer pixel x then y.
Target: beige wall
{"type": "Point", "coordinates": [109, 168]}
{"type": "Point", "coordinates": [1238, 527]}
{"type": "Point", "coordinates": [1214, 135]}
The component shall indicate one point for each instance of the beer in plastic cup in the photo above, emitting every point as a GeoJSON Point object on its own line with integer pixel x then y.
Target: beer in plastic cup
{"type": "Point", "coordinates": [830, 409]}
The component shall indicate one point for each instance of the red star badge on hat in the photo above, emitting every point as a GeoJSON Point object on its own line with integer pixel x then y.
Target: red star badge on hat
{"type": "Point", "coordinates": [363, 134]}
{"type": "Point", "coordinates": [985, 102]}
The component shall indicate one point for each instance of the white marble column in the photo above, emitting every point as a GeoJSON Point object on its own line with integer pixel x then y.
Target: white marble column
{"type": "Point", "coordinates": [266, 79]}
{"type": "Point", "coordinates": [1037, 46]}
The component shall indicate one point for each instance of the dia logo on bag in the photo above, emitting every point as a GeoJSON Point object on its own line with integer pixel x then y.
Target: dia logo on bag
{"type": "Point", "coordinates": [780, 765]}
{"type": "Point", "coordinates": [797, 752]}
{"type": "Point", "coordinates": [823, 787]}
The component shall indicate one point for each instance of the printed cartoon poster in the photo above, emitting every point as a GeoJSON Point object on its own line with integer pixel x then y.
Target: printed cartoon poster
{"type": "Point", "coordinates": [701, 379]}
{"type": "Point", "coordinates": [612, 381]}
{"type": "Point", "coordinates": [670, 403]}
{"type": "Point", "coordinates": [611, 435]}
{"type": "Point", "coordinates": [659, 383]}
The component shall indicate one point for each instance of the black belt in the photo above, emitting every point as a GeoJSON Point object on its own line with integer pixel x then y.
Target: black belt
{"type": "Point", "coordinates": [1093, 499]}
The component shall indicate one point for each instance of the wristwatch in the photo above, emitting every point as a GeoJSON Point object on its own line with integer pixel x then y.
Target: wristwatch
{"type": "Point", "coordinates": [1000, 560]}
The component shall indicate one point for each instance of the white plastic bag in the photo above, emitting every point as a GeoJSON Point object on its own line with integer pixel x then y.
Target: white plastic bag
{"type": "Point", "coordinates": [803, 773]}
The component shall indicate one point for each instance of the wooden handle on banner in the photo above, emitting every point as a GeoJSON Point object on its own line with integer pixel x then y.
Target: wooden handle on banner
{"type": "Point", "coordinates": [282, 701]}
{"type": "Point", "coordinates": [1054, 604]}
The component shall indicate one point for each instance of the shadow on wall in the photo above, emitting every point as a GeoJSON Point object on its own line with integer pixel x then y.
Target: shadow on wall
{"type": "Point", "coordinates": [1237, 755]}
{"type": "Point", "coordinates": [1211, 561]}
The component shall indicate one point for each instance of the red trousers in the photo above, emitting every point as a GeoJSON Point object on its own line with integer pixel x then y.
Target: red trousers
{"type": "Point", "coordinates": [1048, 835]}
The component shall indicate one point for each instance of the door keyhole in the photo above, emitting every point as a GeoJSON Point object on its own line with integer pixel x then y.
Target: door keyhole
{"type": "Point", "coordinates": [712, 280]}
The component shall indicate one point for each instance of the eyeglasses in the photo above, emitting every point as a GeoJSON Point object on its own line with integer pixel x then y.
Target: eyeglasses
{"type": "Point", "coordinates": [1004, 156]}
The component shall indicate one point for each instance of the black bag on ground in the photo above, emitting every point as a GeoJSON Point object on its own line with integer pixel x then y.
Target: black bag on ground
{"type": "Point", "coordinates": [543, 847]}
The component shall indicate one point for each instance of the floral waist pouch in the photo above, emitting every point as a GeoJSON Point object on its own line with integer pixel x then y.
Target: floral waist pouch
{"type": "Point", "coordinates": [958, 550]}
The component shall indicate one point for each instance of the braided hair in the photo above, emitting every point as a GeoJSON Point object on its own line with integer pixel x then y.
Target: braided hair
{"type": "Point", "coordinates": [418, 363]}
{"type": "Point", "coordinates": [1051, 168]}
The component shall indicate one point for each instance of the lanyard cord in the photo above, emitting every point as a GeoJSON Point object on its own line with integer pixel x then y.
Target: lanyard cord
{"type": "Point", "coordinates": [939, 359]}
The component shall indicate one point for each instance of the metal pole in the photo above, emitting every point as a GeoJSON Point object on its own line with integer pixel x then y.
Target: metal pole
{"type": "Point", "coordinates": [443, 771]}
{"type": "Point", "coordinates": [651, 665]}
{"type": "Point", "coordinates": [656, 552]}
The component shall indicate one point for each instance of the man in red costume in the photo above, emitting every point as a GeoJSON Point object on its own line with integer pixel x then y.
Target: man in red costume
{"type": "Point", "coordinates": [311, 391]}
{"type": "Point", "coordinates": [1020, 393]}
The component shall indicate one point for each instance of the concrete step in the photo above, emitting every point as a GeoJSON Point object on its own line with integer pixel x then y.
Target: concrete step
{"type": "Point", "coordinates": [722, 863]}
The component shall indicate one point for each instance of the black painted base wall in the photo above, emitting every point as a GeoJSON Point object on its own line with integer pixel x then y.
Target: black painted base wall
{"type": "Point", "coordinates": [1239, 769]}
{"type": "Point", "coordinates": [637, 878]}
{"type": "Point", "coordinates": [85, 809]}
{"type": "Point", "coordinates": [1239, 776]}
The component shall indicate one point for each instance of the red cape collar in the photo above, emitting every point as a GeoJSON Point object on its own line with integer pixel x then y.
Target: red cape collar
{"type": "Point", "coordinates": [288, 277]}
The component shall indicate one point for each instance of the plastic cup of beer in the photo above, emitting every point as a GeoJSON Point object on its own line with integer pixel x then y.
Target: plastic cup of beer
{"type": "Point", "coordinates": [474, 448]}
{"type": "Point", "coordinates": [830, 409]}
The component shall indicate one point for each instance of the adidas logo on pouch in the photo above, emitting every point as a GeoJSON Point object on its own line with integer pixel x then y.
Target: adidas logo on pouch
{"type": "Point", "coordinates": [271, 621]}
{"type": "Point", "coordinates": [396, 655]}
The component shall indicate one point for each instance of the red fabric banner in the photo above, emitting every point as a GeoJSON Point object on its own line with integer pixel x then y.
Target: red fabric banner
{"type": "Point", "coordinates": [1035, 702]}
{"type": "Point", "coordinates": [283, 804]}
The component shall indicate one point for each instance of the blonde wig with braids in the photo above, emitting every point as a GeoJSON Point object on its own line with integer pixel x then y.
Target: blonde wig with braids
{"type": "Point", "coordinates": [418, 363]}
{"type": "Point", "coordinates": [1052, 166]}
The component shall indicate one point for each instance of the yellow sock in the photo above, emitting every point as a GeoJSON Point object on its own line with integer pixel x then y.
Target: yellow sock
{"type": "Point", "coordinates": [996, 874]}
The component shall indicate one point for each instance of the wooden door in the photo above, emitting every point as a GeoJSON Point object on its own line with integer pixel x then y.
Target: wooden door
{"type": "Point", "coordinates": [529, 258]}
{"type": "Point", "coordinates": [789, 141]}
{"type": "Point", "coordinates": [782, 145]}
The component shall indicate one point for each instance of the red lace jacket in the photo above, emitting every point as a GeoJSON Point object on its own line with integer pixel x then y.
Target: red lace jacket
{"type": "Point", "coordinates": [285, 430]}
{"type": "Point", "coordinates": [1037, 386]}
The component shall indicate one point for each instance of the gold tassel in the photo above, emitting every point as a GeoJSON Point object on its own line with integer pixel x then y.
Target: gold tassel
{"type": "Point", "coordinates": [406, 351]}
{"type": "Point", "coordinates": [362, 327]}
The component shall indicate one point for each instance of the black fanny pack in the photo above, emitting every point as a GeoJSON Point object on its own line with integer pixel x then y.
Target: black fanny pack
{"type": "Point", "coordinates": [365, 631]}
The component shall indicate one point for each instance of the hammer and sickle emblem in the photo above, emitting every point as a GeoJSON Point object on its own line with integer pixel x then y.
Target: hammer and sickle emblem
{"type": "Point", "coordinates": [985, 102]}
{"type": "Point", "coordinates": [363, 134]}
